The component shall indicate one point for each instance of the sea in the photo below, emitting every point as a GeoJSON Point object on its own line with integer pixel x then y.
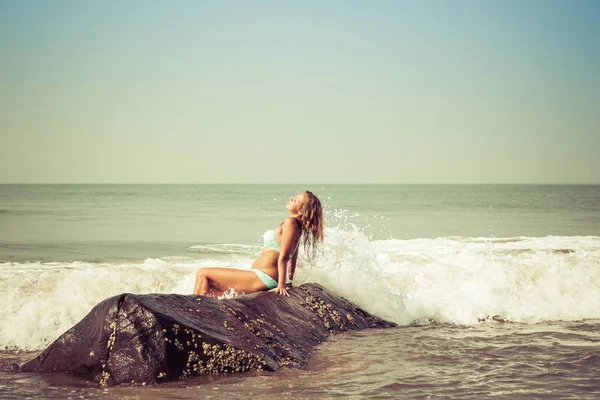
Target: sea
{"type": "Point", "coordinates": [495, 288]}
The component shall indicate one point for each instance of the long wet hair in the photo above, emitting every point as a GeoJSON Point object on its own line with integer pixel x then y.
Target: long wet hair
{"type": "Point", "coordinates": [311, 221]}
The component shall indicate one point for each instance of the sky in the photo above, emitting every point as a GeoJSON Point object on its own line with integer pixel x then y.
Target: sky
{"type": "Point", "coordinates": [300, 91]}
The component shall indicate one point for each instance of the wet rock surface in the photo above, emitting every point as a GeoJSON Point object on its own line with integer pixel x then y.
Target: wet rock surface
{"type": "Point", "coordinates": [146, 339]}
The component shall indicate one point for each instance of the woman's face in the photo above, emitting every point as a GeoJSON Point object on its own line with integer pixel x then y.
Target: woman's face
{"type": "Point", "coordinates": [296, 204]}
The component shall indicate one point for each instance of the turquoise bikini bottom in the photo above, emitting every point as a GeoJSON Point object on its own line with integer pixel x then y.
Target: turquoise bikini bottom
{"type": "Point", "coordinates": [269, 282]}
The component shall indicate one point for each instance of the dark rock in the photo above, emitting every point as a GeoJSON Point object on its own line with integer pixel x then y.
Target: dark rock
{"type": "Point", "coordinates": [142, 339]}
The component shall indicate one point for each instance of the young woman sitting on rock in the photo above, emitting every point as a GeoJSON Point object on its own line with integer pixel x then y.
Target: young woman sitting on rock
{"type": "Point", "coordinates": [279, 255]}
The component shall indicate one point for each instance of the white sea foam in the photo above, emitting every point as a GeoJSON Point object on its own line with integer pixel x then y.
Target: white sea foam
{"type": "Point", "coordinates": [227, 248]}
{"type": "Point", "coordinates": [455, 280]}
{"type": "Point", "coordinates": [42, 300]}
{"type": "Point", "coordinates": [460, 280]}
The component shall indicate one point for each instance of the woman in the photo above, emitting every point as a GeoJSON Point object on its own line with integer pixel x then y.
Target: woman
{"type": "Point", "coordinates": [268, 272]}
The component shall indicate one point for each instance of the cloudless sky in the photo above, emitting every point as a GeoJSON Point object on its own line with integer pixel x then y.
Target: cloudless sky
{"type": "Point", "coordinates": [300, 91]}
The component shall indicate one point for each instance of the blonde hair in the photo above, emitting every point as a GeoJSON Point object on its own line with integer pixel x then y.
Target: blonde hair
{"type": "Point", "coordinates": [311, 220]}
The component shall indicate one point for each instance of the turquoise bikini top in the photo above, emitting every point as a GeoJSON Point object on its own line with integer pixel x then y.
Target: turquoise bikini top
{"type": "Point", "coordinates": [270, 242]}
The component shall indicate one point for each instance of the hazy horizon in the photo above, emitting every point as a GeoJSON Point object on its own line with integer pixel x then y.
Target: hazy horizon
{"type": "Point", "coordinates": [299, 184]}
{"type": "Point", "coordinates": [266, 92]}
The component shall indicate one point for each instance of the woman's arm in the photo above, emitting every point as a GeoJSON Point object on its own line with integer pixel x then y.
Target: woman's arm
{"type": "Point", "coordinates": [292, 267]}
{"type": "Point", "coordinates": [289, 236]}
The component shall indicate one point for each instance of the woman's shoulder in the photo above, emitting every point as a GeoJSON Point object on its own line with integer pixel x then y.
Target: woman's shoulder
{"type": "Point", "coordinates": [291, 223]}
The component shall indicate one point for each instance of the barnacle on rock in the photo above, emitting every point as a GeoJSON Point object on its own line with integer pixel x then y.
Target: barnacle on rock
{"type": "Point", "coordinates": [326, 312]}
{"type": "Point", "coordinates": [222, 358]}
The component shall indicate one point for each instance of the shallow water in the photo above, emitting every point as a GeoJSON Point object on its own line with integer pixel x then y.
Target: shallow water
{"type": "Point", "coordinates": [489, 360]}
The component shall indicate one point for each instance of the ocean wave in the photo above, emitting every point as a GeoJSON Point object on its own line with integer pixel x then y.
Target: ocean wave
{"type": "Point", "coordinates": [40, 301]}
{"type": "Point", "coordinates": [464, 280]}
{"type": "Point", "coordinates": [228, 248]}
{"type": "Point", "coordinates": [451, 280]}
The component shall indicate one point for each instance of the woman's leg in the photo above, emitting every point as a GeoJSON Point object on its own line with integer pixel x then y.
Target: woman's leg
{"type": "Point", "coordinates": [215, 281]}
